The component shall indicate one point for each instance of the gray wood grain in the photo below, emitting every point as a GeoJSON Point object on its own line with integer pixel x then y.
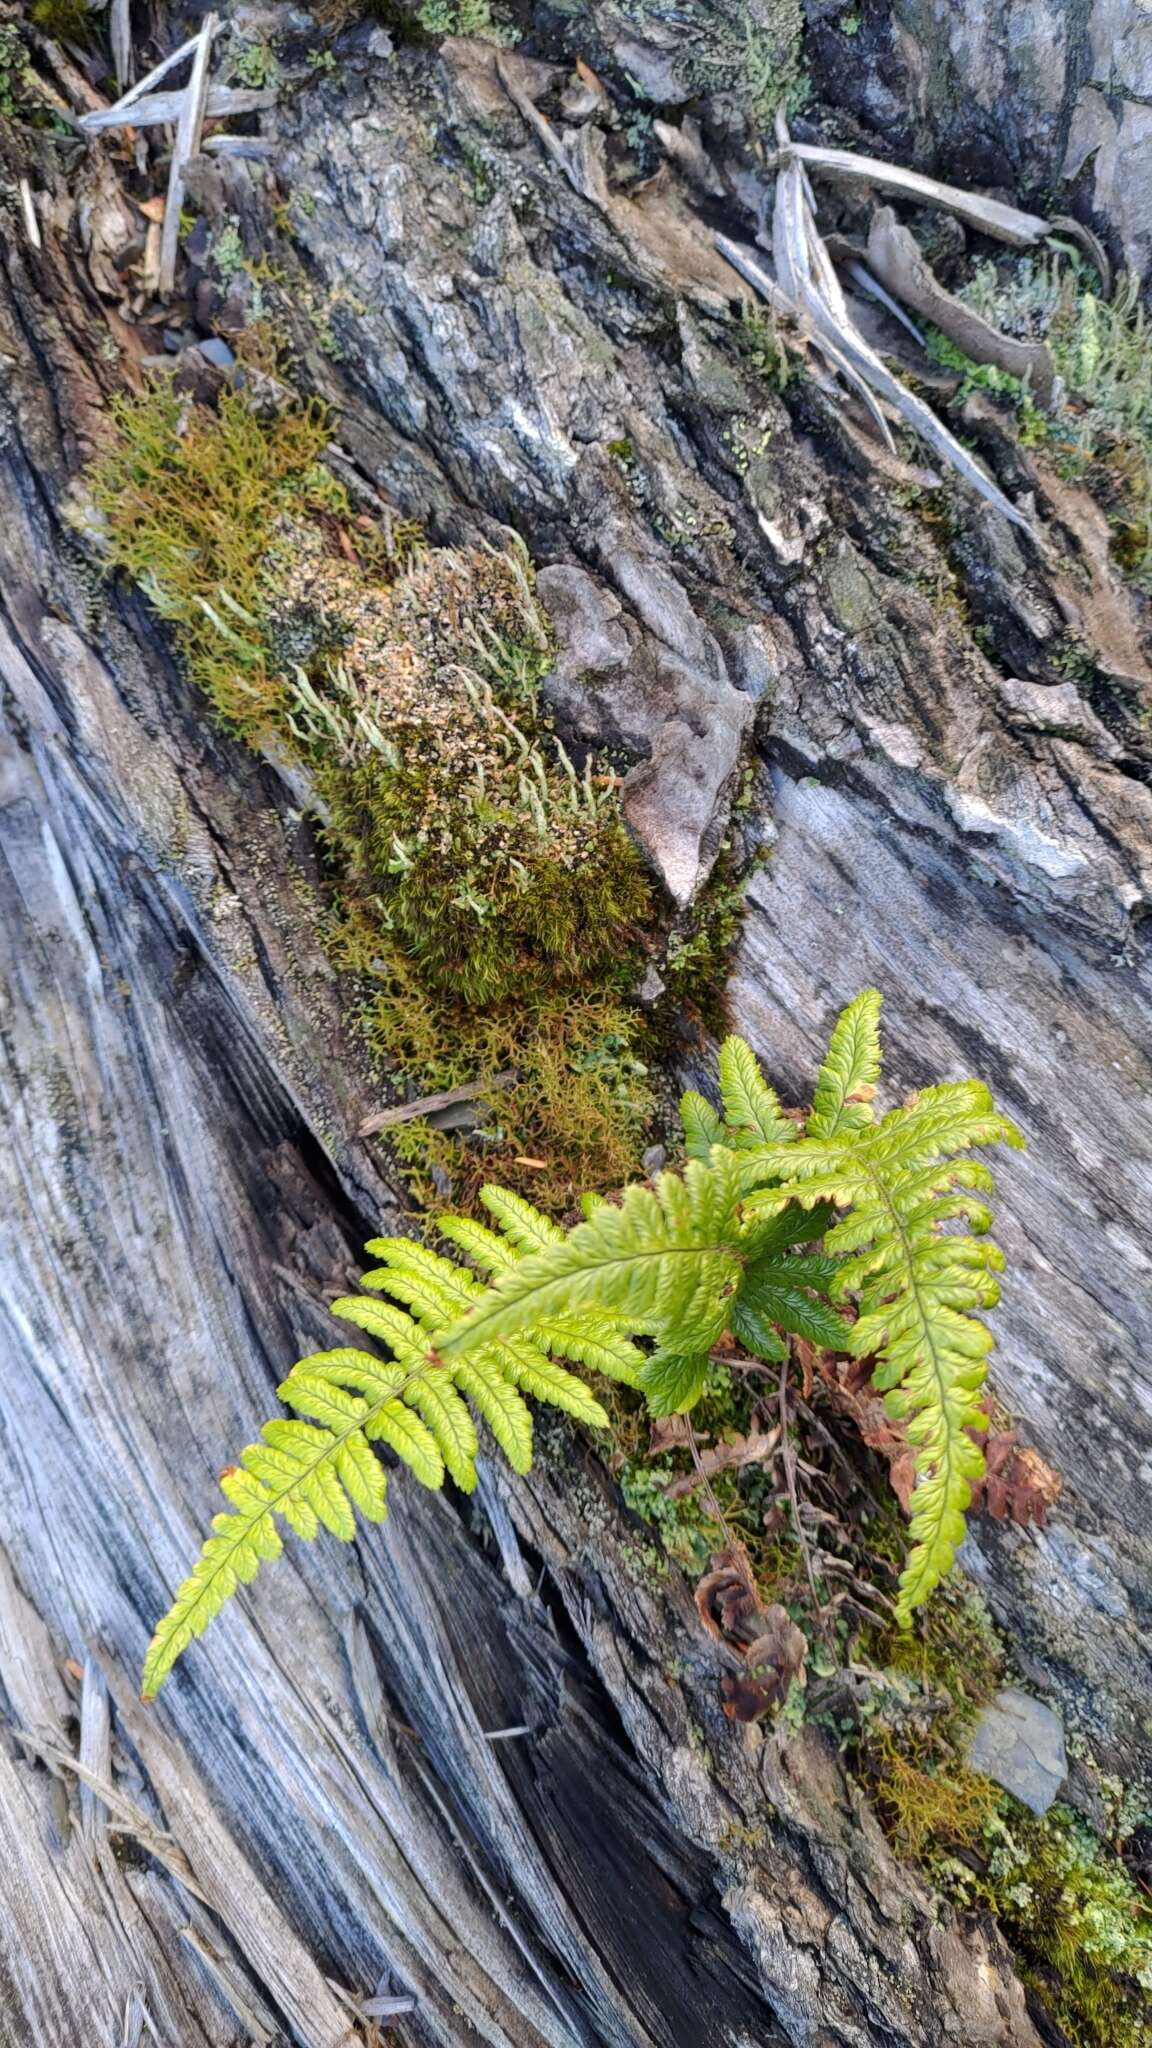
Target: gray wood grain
{"type": "Point", "coordinates": [313, 1815]}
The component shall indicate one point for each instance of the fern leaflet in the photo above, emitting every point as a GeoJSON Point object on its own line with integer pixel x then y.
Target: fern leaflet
{"type": "Point", "coordinates": [917, 1285]}
{"type": "Point", "coordinates": [667, 1258]}
{"type": "Point", "coordinates": [751, 1108]}
{"type": "Point", "coordinates": [847, 1080]}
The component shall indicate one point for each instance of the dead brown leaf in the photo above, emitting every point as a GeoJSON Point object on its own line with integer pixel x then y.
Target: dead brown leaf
{"type": "Point", "coordinates": [775, 1663]}
{"type": "Point", "coordinates": [771, 1647]}
{"type": "Point", "coordinates": [1019, 1485]}
{"type": "Point", "coordinates": [668, 1433]}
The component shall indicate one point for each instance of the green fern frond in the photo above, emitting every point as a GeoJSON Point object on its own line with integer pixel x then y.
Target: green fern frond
{"type": "Point", "coordinates": [593, 1339]}
{"type": "Point", "coordinates": [310, 1475]}
{"type": "Point", "coordinates": [732, 1244]}
{"type": "Point", "coordinates": [917, 1284]}
{"type": "Point", "coordinates": [667, 1258]}
{"type": "Point", "coordinates": [319, 1471]}
{"type": "Point", "coordinates": [790, 1293]}
{"type": "Point", "coordinates": [703, 1126]}
{"type": "Point", "coordinates": [847, 1080]}
{"type": "Point", "coordinates": [752, 1111]}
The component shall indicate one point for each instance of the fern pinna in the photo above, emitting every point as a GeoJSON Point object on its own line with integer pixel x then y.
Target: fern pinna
{"type": "Point", "coordinates": [732, 1244]}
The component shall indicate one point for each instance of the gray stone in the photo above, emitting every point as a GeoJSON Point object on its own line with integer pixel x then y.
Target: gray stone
{"type": "Point", "coordinates": [216, 351]}
{"type": "Point", "coordinates": [1019, 1742]}
{"type": "Point", "coordinates": [656, 693]}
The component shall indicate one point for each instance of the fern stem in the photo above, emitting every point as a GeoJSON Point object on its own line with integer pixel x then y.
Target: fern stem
{"type": "Point", "coordinates": [706, 1483]}
{"type": "Point", "coordinates": [789, 1457]}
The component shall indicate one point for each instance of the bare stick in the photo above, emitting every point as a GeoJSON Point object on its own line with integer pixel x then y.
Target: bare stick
{"type": "Point", "coordinates": [158, 107]}
{"type": "Point", "coordinates": [428, 1105]}
{"type": "Point", "coordinates": [991, 216]}
{"type": "Point", "coordinates": [186, 144]}
{"type": "Point", "coordinates": [706, 1483]}
{"type": "Point", "coordinates": [150, 78]}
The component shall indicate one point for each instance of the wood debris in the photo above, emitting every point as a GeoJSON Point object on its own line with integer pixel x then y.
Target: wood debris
{"type": "Point", "coordinates": [896, 258]}
{"type": "Point", "coordinates": [151, 78]}
{"type": "Point", "coordinates": [430, 1105]}
{"type": "Point", "coordinates": [730, 1454]}
{"type": "Point", "coordinates": [120, 40]}
{"type": "Point", "coordinates": [156, 109]}
{"type": "Point", "coordinates": [186, 145]}
{"type": "Point", "coordinates": [668, 244]}
{"type": "Point", "coordinates": [1004, 223]}
{"type": "Point", "coordinates": [95, 1756]}
{"type": "Point", "coordinates": [151, 103]}
{"type": "Point", "coordinates": [31, 218]}
{"type": "Point", "coordinates": [807, 288]}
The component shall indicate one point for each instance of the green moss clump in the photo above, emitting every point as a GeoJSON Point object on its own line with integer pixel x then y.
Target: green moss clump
{"type": "Point", "coordinates": [460, 18]}
{"type": "Point", "coordinates": [752, 49]}
{"type": "Point", "coordinates": [69, 21]}
{"type": "Point", "coordinates": [490, 899]}
{"type": "Point", "coordinates": [22, 97]}
{"type": "Point", "coordinates": [700, 948]}
{"type": "Point", "coordinates": [566, 1097]}
{"type": "Point", "coordinates": [201, 508]}
{"type": "Point", "coordinates": [1102, 434]}
{"type": "Point", "coordinates": [507, 872]}
{"type": "Point", "coordinates": [1079, 1925]}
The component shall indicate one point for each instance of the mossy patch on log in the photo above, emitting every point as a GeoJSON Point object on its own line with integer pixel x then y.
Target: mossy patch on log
{"type": "Point", "coordinates": [488, 897]}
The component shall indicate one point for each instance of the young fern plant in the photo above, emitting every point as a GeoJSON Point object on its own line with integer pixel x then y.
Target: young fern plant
{"type": "Point", "coordinates": [729, 1245]}
{"type": "Point", "coordinates": [908, 1248]}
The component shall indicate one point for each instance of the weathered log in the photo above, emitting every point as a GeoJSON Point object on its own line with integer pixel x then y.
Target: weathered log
{"type": "Point", "coordinates": [316, 1813]}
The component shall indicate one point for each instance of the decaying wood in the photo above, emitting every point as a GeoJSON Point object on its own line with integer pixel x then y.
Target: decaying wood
{"type": "Point", "coordinates": [430, 1105]}
{"type": "Point", "coordinates": [321, 1823]}
{"type": "Point", "coordinates": [1004, 223]}
{"type": "Point", "coordinates": [185, 145]}
{"type": "Point", "coordinates": [899, 263]}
